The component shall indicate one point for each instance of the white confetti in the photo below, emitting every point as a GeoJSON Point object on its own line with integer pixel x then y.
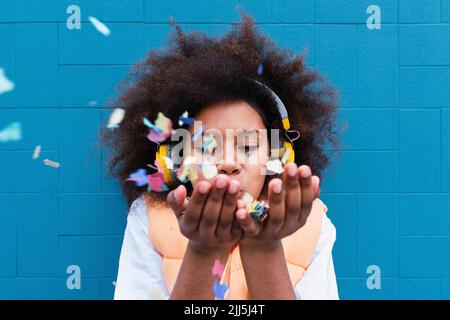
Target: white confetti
{"type": "Point", "coordinates": [5, 84]}
{"type": "Point", "coordinates": [274, 166]}
{"type": "Point", "coordinates": [51, 163]}
{"type": "Point", "coordinates": [286, 156]}
{"type": "Point", "coordinates": [116, 118]}
{"type": "Point", "coordinates": [100, 26]}
{"type": "Point", "coordinates": [169, 162]}
{"type": "Point", "coordinates": [13, 132]}
{"type": "Point", "coordinates": [37, 152]}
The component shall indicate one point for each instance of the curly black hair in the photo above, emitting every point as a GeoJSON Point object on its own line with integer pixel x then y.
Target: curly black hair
{"type": "Point", "coordinates": [196, 71]}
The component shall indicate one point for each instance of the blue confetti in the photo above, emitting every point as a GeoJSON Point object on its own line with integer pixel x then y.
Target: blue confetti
{"type": "Point", "coordinates": [219, 290]}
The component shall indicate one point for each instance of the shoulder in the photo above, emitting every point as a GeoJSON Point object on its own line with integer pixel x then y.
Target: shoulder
{"type": "Point", "coordinates": [137, 214]}
{"type": "Point", "coordinates": [327, 230]}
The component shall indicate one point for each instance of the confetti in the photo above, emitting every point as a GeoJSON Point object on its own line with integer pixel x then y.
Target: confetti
{"type": "Point", "coordinates": [51, 163]}
{"type": "Point", "coordinates": [116, 118]}
{"type": "Point", "coordinates": [260, 69]}
{"type": "Point", "coordinates": [219, 290]}
{"type": "Point", "coordinates": [13, 132]}
{"type": "Point", "coordinates": [286, 156]}
{"type": "Point", "coordinates": [164, 123]}
{"type": "Point", "coordinates": [100, 26]}
{"type": "Point", "coordinates": [209, 170]}
{"type": "Point", "coordinates": [37, 152]}
{"type": "Point", "coordinates": [161, 130]}
{"type": "Point", "coordinates": [210, 143]}
{"type": "Point", "coordinates": [140, 177]}
{"type": "Point", "coordinates": [217, 268]}
{"type": "Point", "coordinates": [188, 170]}
{"type": "Point", "coordinates": [5, 84]}
{"type": "Point", "coordinates": [198, 134]}
{"type": "Point", "coordinates": [156, 182]}
{"type": "Point", "coordinates": [185, 120]}
{"type": "Point", "coordinates": [274, 166]}
{"type": "Point", "coordinates": [258, 210]}
{"type": "Point", "coordinates": [168, 162]}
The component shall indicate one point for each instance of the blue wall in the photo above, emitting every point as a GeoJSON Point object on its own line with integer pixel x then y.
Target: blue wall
{"type": "Point", "coordinates": [388, 194]}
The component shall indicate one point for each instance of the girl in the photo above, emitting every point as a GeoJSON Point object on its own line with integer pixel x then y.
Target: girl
{"type": "Point", "coordinates": [195, 239]}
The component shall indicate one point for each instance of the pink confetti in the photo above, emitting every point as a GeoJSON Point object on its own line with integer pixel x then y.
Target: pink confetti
{"type": "Point", "coordinates": [217, 268]}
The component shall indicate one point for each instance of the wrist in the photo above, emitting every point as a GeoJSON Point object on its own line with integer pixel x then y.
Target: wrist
{"type": "Point", "coordinates": [207, 251]}
{"type": "Point", "coordinates": [258, 246]}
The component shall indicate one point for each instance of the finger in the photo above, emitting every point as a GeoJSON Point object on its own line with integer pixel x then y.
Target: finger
{"type": "Point", "coordinates": [213, 206]}
{"type": "Point", "coordinates": [236, 229]}
{"type": "Point", "coordinates": [316, 186]}
{"type": "Point", "coordinates": [241, 204]}
{"type": "Point", "coordinates": [293, 196]}
{"type": "Point", "coordinates": [307, 193]}
{"type": "Point", "coordinates": [195, 207]}
{"type": "Point", "coordinates": [177, 200]}
{"type": "Point", "coordinates": [228, 208]}
{"type": "Point", "coordinates": [249, 226]}
{"type": "Point", "coordinates": [276, 203]}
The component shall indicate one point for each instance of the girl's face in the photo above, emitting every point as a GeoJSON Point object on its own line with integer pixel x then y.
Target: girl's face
{"type": "Point", "coordinates": [250, 152]}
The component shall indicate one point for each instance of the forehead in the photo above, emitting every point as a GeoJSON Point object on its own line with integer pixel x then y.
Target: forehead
{"type": "Point", "coordinates": [230, 115]}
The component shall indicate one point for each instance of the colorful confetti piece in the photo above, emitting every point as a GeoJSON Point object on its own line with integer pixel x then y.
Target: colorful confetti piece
{"type": "Point", "coordinates": [260, 69]}
{"type": "Point", "coordinates": [274, 166]}
{"type": "Point", "coordinates": [116, 118]}
{"type": "Point", "coordinates": [161, 130]}
{"type": "Point", "coordinates": [140, 177]}
{"type": "Point", "coordinates": [185, 120]}
{"type": "Point", "coordinates": [217, 268]}
{"type": "Point", "coordinates": [188, 170]}
{"type": "Point", "coordinates": [220, 290]}
{"type": "Point", "coordinates": [198, 133]}
{"type": "Point", "coordinates": [13, 132]}
{"type": "Point", "coordinates": [258, 210]}
{"type": "Point", "coordinates": [286, 156]}
{"type": "Point", "coordinates": [5, 84]}
{"type": "Point", "coordinates": [51, 163]}
{"type": "Point", "coordinates": [100, 26]}
{"type": "Point", "coordinates": [156, 182]}
{"type": "Point", "coordinates": [210, 143]}
{"type": "Point", "coordinates": [37, 152]}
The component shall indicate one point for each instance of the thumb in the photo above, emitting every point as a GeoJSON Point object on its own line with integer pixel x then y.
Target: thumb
{"type": "Point", "coordinates": [177, 200]}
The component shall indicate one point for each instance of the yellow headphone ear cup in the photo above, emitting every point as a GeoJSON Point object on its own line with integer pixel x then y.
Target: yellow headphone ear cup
{"type": "Point", "coordinates": [163, 152]}
{"type": "Point", "coordinates": [288, 148]}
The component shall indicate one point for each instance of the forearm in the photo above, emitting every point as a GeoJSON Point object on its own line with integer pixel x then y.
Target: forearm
{"type": "Point", "coordinates": [266, 273]}
{"type": "Point", "coordinates": [195, 280]}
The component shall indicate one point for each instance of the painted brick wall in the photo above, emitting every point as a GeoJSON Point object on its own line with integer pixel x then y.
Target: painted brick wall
{"type": "Point", "coordinates": [388, 194]}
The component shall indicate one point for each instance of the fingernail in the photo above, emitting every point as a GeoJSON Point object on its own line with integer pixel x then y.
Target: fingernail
{"type": "Point", "coordinates": [315, 182]}
{"type": "Point", "coordinates": [241, 214]}
{"type": "Point", "coordinates": [176, 193]}
{"type": "Point", "coordinates": [203, 188]}
{"type": "Point", "coordinates": [233, 187]}
{"type": "Point", "coordinates": [221, 182]}
{"type": "Point", "coordinates": [277, 187]}
{"type": "Point", "coordinates": [292, 170]}
{"type": "Point", "coordinates": [306, 172]}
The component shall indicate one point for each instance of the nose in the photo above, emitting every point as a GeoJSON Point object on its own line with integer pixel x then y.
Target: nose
{"type": "Point", "coordinates": [229, 168]}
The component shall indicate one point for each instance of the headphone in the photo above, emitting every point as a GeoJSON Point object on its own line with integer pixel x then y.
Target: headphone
{"type": "Point", "coordinates": [165, 149]}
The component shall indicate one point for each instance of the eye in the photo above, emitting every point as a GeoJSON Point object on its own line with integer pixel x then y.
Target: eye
{"type": "Point", "coordinates": [248, 150]}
